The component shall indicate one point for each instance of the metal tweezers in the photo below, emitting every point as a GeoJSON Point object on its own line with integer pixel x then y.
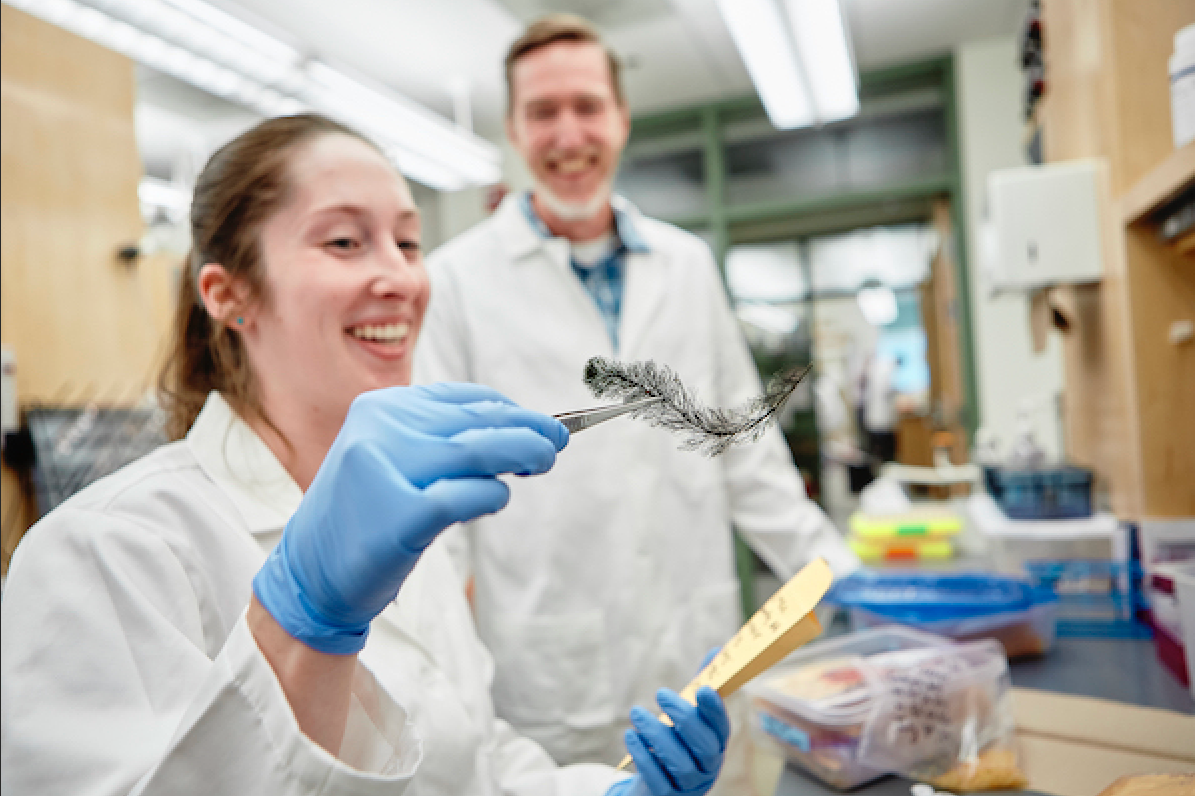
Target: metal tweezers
{"type": "Point", "coordinates": [587, 418]}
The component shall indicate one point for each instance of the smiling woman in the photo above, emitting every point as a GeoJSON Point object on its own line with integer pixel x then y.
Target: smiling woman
{"type": "Point", "coordinates": [242, 186]}
{"type": "Point", "coordinates": [202, 621]}
{"type": "Point", "coordinates": [346, 296]}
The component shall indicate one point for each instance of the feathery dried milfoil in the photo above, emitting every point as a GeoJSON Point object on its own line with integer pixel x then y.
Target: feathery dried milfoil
{"type": "Point", "coordinates": [709, 430]}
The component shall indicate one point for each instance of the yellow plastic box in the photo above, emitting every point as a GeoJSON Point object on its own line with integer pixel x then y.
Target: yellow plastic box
{"type": "Point", "coordinates": [908, 549]}
{"type": "Point", "coordinates": [916, 524]}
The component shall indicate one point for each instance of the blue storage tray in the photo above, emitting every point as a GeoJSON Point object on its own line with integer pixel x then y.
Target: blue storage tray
{"type": "Point", "coordinates": [1101, 599]}
{"type": "Point", "coordinates": [1047, 493]}
{"type": "Point", "coordinates": [926, 597]}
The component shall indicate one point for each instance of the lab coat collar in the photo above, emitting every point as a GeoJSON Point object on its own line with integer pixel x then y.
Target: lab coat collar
{"type": "Point", "coordinates": [243, 467]}
{"type": "Point", "coordinates": [519, 238]}
{"type": "Point", "coordinates": [626, 218]}
{"type": "Point", "coordinates": [524, 233]}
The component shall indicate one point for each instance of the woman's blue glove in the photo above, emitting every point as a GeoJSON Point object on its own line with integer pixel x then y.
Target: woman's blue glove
{"type": "Point", "coordinates": [682, 759]}
{"type": "Point", "coordinates": [408, 462]}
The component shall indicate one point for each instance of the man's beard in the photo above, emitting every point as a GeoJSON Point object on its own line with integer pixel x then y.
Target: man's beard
{"type": "Point", "coordinates": [574, 211]}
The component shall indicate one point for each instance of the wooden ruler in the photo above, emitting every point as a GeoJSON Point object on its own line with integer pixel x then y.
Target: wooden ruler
{"type": "Point", "coordinates": [785, 622]}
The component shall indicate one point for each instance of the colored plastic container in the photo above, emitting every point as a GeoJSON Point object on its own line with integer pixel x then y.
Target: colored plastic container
{"type": "Point", "coordinates": [916, 535]}
{"type": "Point", "coordinates": [909, 549]}
{"type": "Point", "coordinates": [813, 706]}
{"type": "Point", "coordinates": [961, 606]}
{"type": "Point", "coordinates": [1185, 585]}
{"type": "Point", "coordinates": [912, 525]}
{"type": "Point", "coordinates": [1101, 599]}
{"type": "Point", "coordinates": [1046, 493]}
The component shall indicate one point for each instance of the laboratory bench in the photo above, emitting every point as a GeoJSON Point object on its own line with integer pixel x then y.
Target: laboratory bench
{"type": "Point", "coordinates": [1123, 670]}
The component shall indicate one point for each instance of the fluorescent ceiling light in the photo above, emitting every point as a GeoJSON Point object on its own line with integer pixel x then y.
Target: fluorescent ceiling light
{"type": "Point", "coordinates": [761, 36]}
{"type": "Point", "coordinates": [222, 55]}
{"type": "Point", "coordinates": [412, 131]}
{"type": "Point", "coordinates": [820, 34]}
{"type": "Point", "coordinates": [257, 41]}
{"type": "Point", "coordinates": [799, 61]}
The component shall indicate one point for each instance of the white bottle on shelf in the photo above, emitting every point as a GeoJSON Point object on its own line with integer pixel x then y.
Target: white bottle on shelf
{"type": "Point", "coordinates": [1182, 86]}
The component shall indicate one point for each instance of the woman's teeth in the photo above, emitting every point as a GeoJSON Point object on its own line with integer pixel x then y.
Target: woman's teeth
{"type": "Point", "coordinates": [389, 333]}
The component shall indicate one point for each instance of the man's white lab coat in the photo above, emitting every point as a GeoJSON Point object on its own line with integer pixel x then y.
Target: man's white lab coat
{"type": "Point", "coordinates": [613, 574]}
{"type": "Point", "coordinates": [128, 667]}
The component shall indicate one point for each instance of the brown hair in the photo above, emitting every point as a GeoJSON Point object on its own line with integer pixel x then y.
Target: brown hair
{"type": "Point", "coordinates": [549, 30]}
{"type": "Point", "coordinates": [243, 183]}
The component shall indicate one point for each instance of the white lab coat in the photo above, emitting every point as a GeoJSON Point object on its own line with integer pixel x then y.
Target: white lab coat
{"type": "Point", "coordinates": [127, 664]}
{"type": "Point", "coordinates": [879, 412]}
{"type": "Point", "coordinates": [613, 574]}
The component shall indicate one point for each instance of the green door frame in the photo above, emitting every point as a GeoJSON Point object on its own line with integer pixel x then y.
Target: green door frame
{"type": "Point", "coordinates": [817, 214]}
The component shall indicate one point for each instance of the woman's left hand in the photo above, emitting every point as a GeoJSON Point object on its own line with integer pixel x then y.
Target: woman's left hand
{"type": "Point", "coordinates": [682, 759]}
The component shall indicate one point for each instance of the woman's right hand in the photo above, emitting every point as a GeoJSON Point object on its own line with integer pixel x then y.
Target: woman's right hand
{"type": "Point", "coordinates": [408, 462]}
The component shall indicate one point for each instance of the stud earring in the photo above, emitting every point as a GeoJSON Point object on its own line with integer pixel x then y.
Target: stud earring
{"type": "Point", "coordinates": [240, 321]}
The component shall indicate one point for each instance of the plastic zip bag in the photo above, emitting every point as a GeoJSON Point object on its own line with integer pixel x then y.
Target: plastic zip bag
{"type": "Point", "coordinates": [944, 715]}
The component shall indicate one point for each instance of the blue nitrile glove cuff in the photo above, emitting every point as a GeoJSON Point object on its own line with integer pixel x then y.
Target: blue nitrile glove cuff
{"type": "Point", "coordinates": [633, 786]}
{"type": "Point", "coordinates": [279, 592]}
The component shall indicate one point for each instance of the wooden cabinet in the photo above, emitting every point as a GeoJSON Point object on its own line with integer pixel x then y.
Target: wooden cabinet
{"type": "Point", "coordinates": [1130, 389]}
{"type": "Point", "coordinates": [84, 327]}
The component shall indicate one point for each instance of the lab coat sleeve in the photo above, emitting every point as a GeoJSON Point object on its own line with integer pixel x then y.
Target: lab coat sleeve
{"type": "Point", "coordinates": [525, 769]}
{"type": "Point", "coordinates": [768, 502]}
{"type": "Point", "coordinates": [114, 682]}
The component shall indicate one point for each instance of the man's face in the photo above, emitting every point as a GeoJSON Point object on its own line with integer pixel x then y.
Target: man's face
{"type": "Point", "coordinates": [566, 121]}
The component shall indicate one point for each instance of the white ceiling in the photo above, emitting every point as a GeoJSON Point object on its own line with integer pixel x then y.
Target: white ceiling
{"type": "Point", "coordinates": [886, 32]}
{"type": "Point", "coordinates": [676, 52]}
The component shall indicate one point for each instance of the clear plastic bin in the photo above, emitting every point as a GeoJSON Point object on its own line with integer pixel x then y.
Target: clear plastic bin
{"type": "Point", "coordinates": [813, 706]}
{"type": "Point", "coordinates": [1013, 543]}
{"type": "Point", "coordinates": [1024, 632]}
{"type": "Point", "coordinates": [963, 606]}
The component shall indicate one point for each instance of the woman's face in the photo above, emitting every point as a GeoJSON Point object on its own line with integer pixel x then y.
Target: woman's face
{"type": "Point", "coordinates": [345, 285]}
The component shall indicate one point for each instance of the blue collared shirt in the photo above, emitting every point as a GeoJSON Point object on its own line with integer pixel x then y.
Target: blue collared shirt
{"type": "Point", "coordinates": [604, 279]}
